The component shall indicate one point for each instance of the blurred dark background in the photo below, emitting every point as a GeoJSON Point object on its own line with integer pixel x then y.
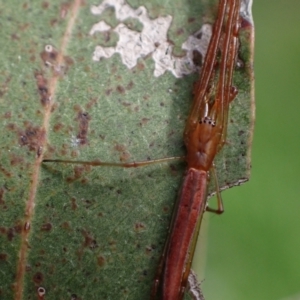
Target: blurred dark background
{"type": "Point", "coordinates": [253, 250]}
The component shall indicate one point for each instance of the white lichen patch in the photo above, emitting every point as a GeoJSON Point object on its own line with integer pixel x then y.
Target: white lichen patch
{"type": "Point", "coordinates": [152, 40]}
{"type": "Point", "coordinates": [133, 45]}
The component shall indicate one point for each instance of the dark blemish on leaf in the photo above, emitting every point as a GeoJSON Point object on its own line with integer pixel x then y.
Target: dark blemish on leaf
{"type": "Point", "coordinates": [57, 127]}
{"type": "Point", "coordinates": [108, 92]}
{"type": "Point", "coordinates": [73, 203]}
{"type": "Point", "coordinates": [5, 172]}
{"type": "Point", "coordinates": [4, 87]}
{"type": "Point", "coordinates": [173, 169]}
{"type": "Point", "coordinates": [38, 278]}
{"type": "Point", "coordinates": [3, 256]}
{"type": "Point", "coordinates": [197, 58]}
{"type": "Point", "coordinates": [74, 153]}
{"type": "Point", "coordinates": [130, 85]}
{"type": "Point", "coordinates": [3, 230]}
{"type": "Point", "coordinates": [45, 5]}
{"type": "Point", "coordinates": [126, 104]}
{"type": "Point", "coordinates": [139, 227]}
{"type": "Point", "coordinates": [12, 231]}
{"type": "Point", "coordinates": [241, 132]}
{"type": "Point", "coordinates": [180, 31]}
{"type": "Point", "coordinates": [83, 119]}
{"type": "Point", "coordinates": [46, 227]}
{"type": "Point", "coordinates": [144, 121]}
{"type": "Point", "coordinates": [191, 20]}
{"type": "Point", "coordinates": [2, 202]}
{"type": "Point", "coordinates": [89, 241]}
{"type": "Point", "coordinates": [91, 103]}
{"type": "Point", "coordinates": [140, 66]}
{"type": "Point", "coordinates": [112, 245]}
{"type": "Point", "coordinates": [50, 57]}
{"type": "Point", "coordinates": [15, 160]}
{"type": "Point", "coordinates": [120, 89]}
{"type": "Point", "coordinates": [66, 225]}
{"type": "Point", "coordinates": [53, 22]}
{"type": "Point", "coordinates": [149, 250]}
{"type": "Point", "coordinates": [14, 37]}
{"type": "Point", "coordinates": [101, 261]}
{"type": "Point", "coordinates": [124, 155]}
{"type": "Point", "coordinates": [8, 114]}
{"type": "Point", "coordinates": [166, 209]}
{"type": "Point", "coordinates": [32, 137]}
{"type": "Point", "coordinates": [28, 268]}
{"type": "Point", "coordinates": [78, 171]}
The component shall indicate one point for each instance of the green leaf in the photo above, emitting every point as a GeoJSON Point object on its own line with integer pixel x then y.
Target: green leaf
{"type": "Point", "coordinates": [96, 233]}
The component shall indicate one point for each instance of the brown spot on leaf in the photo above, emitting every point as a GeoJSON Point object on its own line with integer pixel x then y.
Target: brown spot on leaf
{"type": "Point", "coordinates": [130, 85]}
{"type": "Point", "coordinates": [33, 137]}
{"type": "Point", "coordinates": [15, 160]}
{"type": "Point", "coordinates": [139, 227]}
{"type": "Point", "coordinates": [13, 231]}
{"type": "Point", "coordinates": [78, 171]}
{"type": "Point", "coordinates": [46, 227]}
{"type": "Point", "coordinates": [5, 172]}
{"type": "Point", "coordinates": [124, 155]}
{"type": "Point", "coordinates": [83, 119]}
{"type": "Point", "coordinates": [166, 209]}
{"type": "Point", "coordinates": [120, 89]}
{"type": "Point", "coordinates": [3, 256]}
{"type": "Point", "coordinates": [57, 127]}
{"type": "Point", "coordinates": [2, 191]}
{"type": "Point", "coordinates": [180, 31]}
{"type": "Point", "coordinates": [108, 92]}
{"type": "Point", "coordinates": [8, 114]}
{"type": "Point", "coordinates": [45, 5]}
{"type": "Point", "coordinates": [73, 203]}
{"type": "Point", "coordinates": [38, 278]}
{"type": "Point", "coordinates": [101, 260]}
{"type": "Point", "coordinates": [74, 297]}
{"type": "Point", "coordinates": [66, 225]}
{"type": "Point", "coordinates": [144, 121]}
{"type": "Point", "coordinates": [3, 230]}
{"type": "Point", "coordinates": [89, 241]}
{"type": "Point", "coordinates": [91, 103]}
{"type": "Point", "coordinates": [51, 58]}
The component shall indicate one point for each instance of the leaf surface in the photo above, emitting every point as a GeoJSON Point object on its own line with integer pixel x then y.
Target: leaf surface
{"type": "Point", "coordinates": [78, 232]}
